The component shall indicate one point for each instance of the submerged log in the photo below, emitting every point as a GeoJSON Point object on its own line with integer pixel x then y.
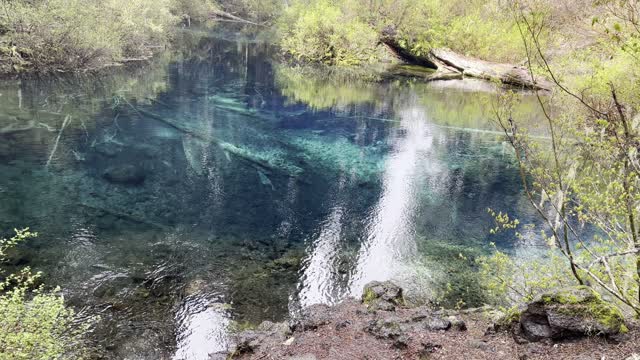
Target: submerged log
{"type": "Point", "coordinates": [125, 214]}
{"type": "Point", "coordinates": [451, 65]}
{"type": "Point", "coordinates": [242, 153]}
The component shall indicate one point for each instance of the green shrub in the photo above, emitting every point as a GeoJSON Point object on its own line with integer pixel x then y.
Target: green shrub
{"type": "Point", "coordinates": [322, 32]}
{"type": "Point", "coordinates": [194, 10]}
{"type": "Point", "coordinates": [66, 35]}
{"type": "Point", "coordinates": [35, 323]}
{"type": "Point", "coordinates": [347, 32]}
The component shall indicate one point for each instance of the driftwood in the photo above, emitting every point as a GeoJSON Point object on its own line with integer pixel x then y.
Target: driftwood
{"type": "Point", "coordinates": [218, 14]}
{"type": "Point", "coordinates": [448, 64]}
{"type": "Point", "coordinates": [506, 73]}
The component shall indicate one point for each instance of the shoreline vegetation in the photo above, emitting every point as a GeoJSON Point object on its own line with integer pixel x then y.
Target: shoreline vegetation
{"type": "Point", "coordinates": [448, 40]}
{"type": "Point", "coordinates": [57, 36]}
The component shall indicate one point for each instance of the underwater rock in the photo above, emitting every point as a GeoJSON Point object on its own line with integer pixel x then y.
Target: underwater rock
{"type": "Point", "coordinates": [569, 313]}
{"type": "Point", "coordinates": [291, 260]}
{"type": "Point", "coordinates": [382, 296]}
{"type": "Point", "coordinates": [5, 148]}
{"type": "Point", "coordinates": [110, 284]}
{"type": "Point", "coordinates": [264, 180]}
{"type": "Point", "coordinates": [108, 148]}
{"type": "Point", "coordinates": [125, 174]}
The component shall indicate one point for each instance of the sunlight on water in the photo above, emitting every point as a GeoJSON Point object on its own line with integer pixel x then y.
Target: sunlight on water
{"type": "Point", "coordinates": [390, 229]}
{"type": "Point", "coordinates": [202, 330]}
{"type": "Point", "coordinates": [320, 282]}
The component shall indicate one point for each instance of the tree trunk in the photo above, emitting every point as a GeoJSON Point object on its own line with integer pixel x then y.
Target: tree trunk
{"type": "Point", "coordinates": [447, 63]}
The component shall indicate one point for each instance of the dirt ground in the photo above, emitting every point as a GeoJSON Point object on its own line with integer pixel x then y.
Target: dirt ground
{"type": "Point", "coordinates": [344, 332]}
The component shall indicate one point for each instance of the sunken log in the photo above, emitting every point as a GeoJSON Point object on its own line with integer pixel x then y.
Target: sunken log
{"type": "Point", "coordinates": [448, 64]}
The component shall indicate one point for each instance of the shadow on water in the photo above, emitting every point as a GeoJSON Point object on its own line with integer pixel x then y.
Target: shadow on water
{"type": "Point", "coordinates": [213, 188]}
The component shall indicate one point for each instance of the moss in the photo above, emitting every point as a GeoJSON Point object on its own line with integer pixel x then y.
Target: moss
{"type": "Point", "coordinates": [571, 296]}
{"type": "Point", "coordinates": [624, 329]}
{"type": "Point", "coordinates": [586, 302]}
{"type": "Point", "coordinates": [368, 296]}
{"type": "Point", "coordinates": [607, 315]}
{"type": "Point", "coordinates": [511, 315]}
{"type": "Point", "coordinates": [240, 326]}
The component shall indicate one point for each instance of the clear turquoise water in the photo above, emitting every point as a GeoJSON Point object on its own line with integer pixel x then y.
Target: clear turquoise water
{"type": "Point", "coordinates": [217, 187]}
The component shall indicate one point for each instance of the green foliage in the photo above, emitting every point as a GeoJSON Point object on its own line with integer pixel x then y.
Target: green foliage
{"type": "Point", "coordinates": [193, 10]}
{"type": "Point", "coordinates": [491, 36]}
{"type": "Point", "coordinates": [260, 11]}
{"type": "Point", "coordinates": [509, 281]}
{"type": "Point", "coordinates": [347, 32]}
{"type": "Point", "coordinates": [321, 31]}
{"type": "Point", "coordinates": [35, 323]}
{"type": "Point", "coordinates": [67, 35]}
{"type": "Point", "coordinates": [587, 174]}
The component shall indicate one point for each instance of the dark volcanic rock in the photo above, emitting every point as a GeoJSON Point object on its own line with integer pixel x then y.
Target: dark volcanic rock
{"type": "Point", "coordinates": [382, 296]}
{"type": "Point", "coordinates": [572, 312]}
{"type": "Point", "coordinates": [457, 323]}
{"type": "Point", "coordinates": [313, 317]}
{"type": "Point", "coordinates": [435, 323]}
{"type": "Point", "coordinates": [249, 341]}
{"type": "Point", "coordinates": [125, 174]}
{"type": "Point", "coordinates": [388, 328]}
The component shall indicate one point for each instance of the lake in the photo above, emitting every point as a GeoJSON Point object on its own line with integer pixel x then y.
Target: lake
{"type": "Point", "coordinates": [216, 188]}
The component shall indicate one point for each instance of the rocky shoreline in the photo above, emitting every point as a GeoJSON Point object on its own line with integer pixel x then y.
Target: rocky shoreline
{"type": "Point", "coordinates": [574, 323]}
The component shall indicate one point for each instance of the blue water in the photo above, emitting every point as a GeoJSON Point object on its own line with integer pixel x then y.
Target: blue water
{"type": "Point", "coordinates": [216, 187]}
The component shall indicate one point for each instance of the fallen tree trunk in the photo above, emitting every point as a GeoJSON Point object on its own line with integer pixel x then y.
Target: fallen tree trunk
{"type": "Point", "coordinates": [218, 14]}
{"type": "Point", "coordinates": [506, 73]}
{"type": "Point", "coordinates": [448, 64]}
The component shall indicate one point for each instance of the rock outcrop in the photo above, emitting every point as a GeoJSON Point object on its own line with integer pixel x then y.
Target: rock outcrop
{"type": "Point", "coordinates": [569, 313]}
{"type": "Point", "coordinates": [382, 296]}
{"type": "Point", "coordinates": [381, 326]}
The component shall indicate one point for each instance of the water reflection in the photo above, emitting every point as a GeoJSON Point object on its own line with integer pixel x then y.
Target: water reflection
{"type": "Point", "coordinates": [201, 328]}
{"type": "Point", "coordinates": [216, 192]}
{"type": "Point", "coordinates": [320, 281]}
{"type": "Point", "coordinates": [390, 235]}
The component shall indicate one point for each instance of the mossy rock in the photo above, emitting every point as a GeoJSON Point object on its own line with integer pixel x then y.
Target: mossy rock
{"type": "Point", "coordinates": [569, 313]}
{"type": "Point", "coordinates": [382, 296]}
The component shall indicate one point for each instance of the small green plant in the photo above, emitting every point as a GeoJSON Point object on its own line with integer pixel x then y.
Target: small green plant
{"type": "Point", "coordinates": [35, 322]}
